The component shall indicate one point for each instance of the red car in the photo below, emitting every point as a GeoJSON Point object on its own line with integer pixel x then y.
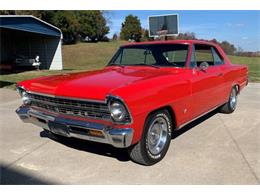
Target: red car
{"type": "Point", "coordinates": [146, 91]}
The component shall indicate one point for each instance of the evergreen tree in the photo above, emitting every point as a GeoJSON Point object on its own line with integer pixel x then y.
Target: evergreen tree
{"type": "Point", "coordinates": [131, 29]}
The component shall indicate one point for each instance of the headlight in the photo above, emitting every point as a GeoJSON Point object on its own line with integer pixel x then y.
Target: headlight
{"type": "Point", "coordinates": [19, 90]}
{"type": "Point", "coordinates": [118, 110]}
{"type": "Point", "coordinates": [25, 98]}
{"type": "Point", "coordinates": [24, 95]}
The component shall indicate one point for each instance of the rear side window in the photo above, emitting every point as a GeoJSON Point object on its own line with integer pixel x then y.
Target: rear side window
{"type": "Point", "coordinates": [207, 53]}
{"type": "Point", "coordinates": [216, 56]}
{"type": "Point", "coordinates": [203, 54]}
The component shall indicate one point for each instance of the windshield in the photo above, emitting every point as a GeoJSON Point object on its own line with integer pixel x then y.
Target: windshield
{"type": "Point", "coordinates": [151, 54]}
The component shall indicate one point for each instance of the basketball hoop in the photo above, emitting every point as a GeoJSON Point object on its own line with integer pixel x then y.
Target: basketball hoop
{"type": "Point", "coordinates": [162, 34]}
{"type": "Point", "coordinates": [163, 26]}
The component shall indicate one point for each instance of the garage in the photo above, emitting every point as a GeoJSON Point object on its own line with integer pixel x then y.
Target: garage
{"type": "Point", "coordinates": [28, 43]}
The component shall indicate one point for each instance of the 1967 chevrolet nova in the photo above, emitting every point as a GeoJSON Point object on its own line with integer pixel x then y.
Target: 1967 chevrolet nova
{"type": "Point", "coordinates": [146, 91]}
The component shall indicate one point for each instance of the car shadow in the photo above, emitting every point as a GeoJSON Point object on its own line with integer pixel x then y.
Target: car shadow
{"type": "Point", "coordinates": [5, 83]}
{"type": "Point", "coordinates": [13, 176]}
{"type": "Point", "coordinates": [109, 151]}
{"type": "Point", "coordinates": [194, 123]}
{"type": "Point", "coordinates": [92, 147]}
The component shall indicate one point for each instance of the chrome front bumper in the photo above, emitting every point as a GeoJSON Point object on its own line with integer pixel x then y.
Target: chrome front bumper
{"type": "Point", "coordinates": [118, 137]}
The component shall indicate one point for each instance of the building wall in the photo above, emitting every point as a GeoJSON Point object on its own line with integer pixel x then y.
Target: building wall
{"type": "Point", "coordinates": [56, 60]}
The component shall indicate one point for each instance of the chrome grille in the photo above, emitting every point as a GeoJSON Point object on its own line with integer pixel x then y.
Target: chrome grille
{"type": "Point", "coordinates": [97, 110]}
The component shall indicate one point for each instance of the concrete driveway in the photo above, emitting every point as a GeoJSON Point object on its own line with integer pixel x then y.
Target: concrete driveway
{"type": "Point", "coordinates": [215, 149]}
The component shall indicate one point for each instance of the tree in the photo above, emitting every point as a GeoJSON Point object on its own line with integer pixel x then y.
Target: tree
{"type": "Point", "coordinates": [131, 28]}
{"type": "Point", "coordinates": [240, 50]}
{"type": "Point", "coordinates": [145, 35]}
{"type": "Point", "coordinates": [186, 36]}
{"type": "Point", "coordinates": [214, 41]}
{"type": "Point", "coordinates": [230, 49]}
{"type": "Point", "coordinates": [92, 24]}
{"type": "Point", "coordinates": [115, 37]}
{"type": "Point", "coordinates": [68, 23]}
{"type": "Point", "coordinates": [7, 12]}
{"type": "Point", "coordinates": [42, 14]}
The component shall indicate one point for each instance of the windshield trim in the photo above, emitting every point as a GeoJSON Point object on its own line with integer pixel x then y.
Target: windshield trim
{"type": "Point", "coordinates": [118, 52]}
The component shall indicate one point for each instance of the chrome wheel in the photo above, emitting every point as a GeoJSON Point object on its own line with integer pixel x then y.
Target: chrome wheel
{"type": "Point", "coordinates": [157, 135]}
{"type": "Point", "coordinates": [155, 140]}
{"type": "Point", "coordinates": [233, 99]}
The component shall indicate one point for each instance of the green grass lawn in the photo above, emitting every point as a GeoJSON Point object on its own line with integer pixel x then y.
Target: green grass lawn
{"type": "Point", "coordinates": [90, 56]}
{"type": "Point", "coordinates": [253, 65]}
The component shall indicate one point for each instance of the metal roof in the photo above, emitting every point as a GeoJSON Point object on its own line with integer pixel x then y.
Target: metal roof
{"type": "Point", "coordinates": [29, 24]}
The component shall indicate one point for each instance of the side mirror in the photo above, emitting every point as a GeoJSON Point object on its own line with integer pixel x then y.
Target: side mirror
{"type": "Point", "coordinates": [203, 66]}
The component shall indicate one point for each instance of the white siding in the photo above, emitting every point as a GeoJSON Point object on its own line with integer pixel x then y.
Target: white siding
{"type": "Point", "coordinates": [56, 63]}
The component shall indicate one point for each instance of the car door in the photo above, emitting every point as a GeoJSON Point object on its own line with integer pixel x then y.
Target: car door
{"type": "Point", "coordinates": [223, 89]}
{"type": "Point", "coordinates": [205, 83]}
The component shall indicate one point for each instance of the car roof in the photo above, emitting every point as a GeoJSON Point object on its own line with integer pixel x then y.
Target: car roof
{"type": "Point", "coordinates": [171, 42]}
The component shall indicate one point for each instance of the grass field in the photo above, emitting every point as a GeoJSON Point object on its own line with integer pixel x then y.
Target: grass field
{"type": "Point", "coordinates": [90, 56]}
{"type": "Point", "coordinates": [253, 65]}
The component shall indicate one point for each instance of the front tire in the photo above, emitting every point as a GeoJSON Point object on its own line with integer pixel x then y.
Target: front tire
{"type": "Point", "coordinates": [155, 140]}
{"type": "Point", "coordinates": [230, 106]}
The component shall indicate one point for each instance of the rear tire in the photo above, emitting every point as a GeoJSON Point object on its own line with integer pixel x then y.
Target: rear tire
{"type": "Point", "coordinates": [230, 106]}
{"type": "Point", "coordinates": [155, 140]}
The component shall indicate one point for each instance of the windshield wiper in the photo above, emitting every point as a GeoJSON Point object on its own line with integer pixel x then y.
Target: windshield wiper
{"type": "Point", "coordinates": [114, 64]}
{"type": "Point", "coordinates": [141, 64]}
{"type": "Point", "coordinates": [151, 65]}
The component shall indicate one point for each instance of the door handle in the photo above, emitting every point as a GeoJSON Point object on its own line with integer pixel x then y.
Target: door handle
{"type": "Point", "coordinates": [220, 74]}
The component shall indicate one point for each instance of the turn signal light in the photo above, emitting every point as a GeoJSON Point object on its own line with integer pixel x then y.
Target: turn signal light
{"type": "Point", "coordinates": [95, 133]}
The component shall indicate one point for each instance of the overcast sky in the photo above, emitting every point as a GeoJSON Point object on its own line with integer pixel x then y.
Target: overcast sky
{"type": "Point", "coordinates": [242, 28]}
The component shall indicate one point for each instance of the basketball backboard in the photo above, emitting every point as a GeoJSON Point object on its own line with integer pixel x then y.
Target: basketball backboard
{"type": "Point", "coordinates": [167, 25]}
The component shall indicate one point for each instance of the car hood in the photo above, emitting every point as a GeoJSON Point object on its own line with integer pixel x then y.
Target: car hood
{"type": "Point", "coordinates": [93, 84]}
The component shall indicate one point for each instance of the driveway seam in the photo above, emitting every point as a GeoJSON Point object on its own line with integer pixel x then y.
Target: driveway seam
{"type": "Point", "coordinates": [26, 154]}
{"type": "Point", "coordinates": [240, 151]}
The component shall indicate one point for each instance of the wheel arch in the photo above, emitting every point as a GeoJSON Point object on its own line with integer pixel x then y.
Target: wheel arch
{"type": "Point", "coordinates": [237, 86]}
{"type": "Point", "coordinates": [169, 109]}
